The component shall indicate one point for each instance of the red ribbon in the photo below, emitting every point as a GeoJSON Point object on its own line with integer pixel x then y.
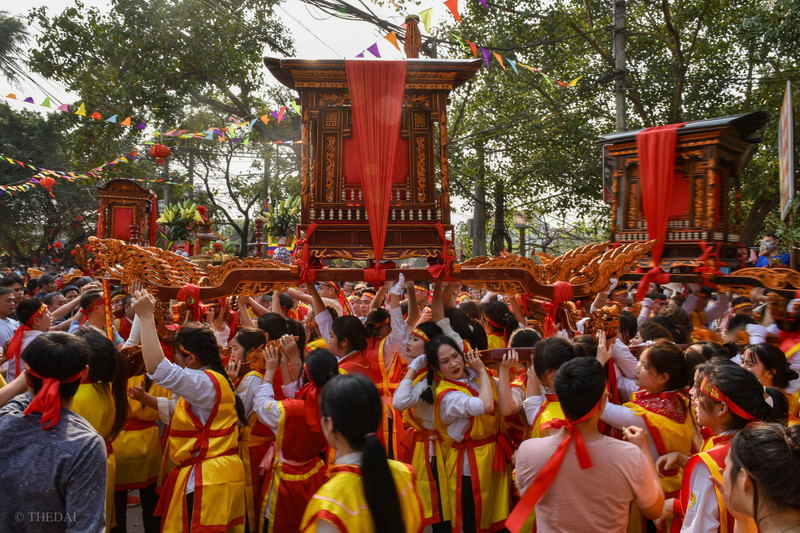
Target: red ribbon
{"type": "Point", "coordinates": [375, 273]}
{"type": "Point", "coordinates": [562, 292]}
{"type": "Point", "coordinates": [548, 474]}
{"type": "Point", "coordinates": [15, 345]}
{"type": "Point", "coordinates": [447, 260]}
{"type": "Point", "coordinates": [307, 273]}
{"type": "Point", "coordinates": [310, 392]}
{"type": "Point", "coordinates": [190, 293]}
{"type": "Point", "coordinates": [48, 399]}
{"type": "Point", "coordinates": [654, 275]}
{"type": "Point", "coordinates": [708, 274]}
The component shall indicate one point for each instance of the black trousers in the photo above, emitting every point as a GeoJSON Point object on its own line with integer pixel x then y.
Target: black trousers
{"type": "Point", "coordinates": [151, 523]}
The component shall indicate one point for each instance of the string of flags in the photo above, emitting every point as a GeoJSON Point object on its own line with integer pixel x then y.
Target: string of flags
{"type": "Point", "coordinates": [426, 17]}
{"type": "Point", "coordinates": [218, 134]}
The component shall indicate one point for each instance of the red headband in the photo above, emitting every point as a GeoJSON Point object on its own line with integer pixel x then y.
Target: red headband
{"type": "Point", "coordinates": [421, 334]}
{"type": "Point", "coordinates": [48, 399]}
{"type": "Point", "coordinates": [708, 389]}
{"type": "Point", "coordinates": [15, 345]}
{"type": "Point", "coordinates": [548, 473]}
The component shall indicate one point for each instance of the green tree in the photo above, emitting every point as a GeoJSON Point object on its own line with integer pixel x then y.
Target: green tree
{"type": "Point", "coordinates": [12, 39]}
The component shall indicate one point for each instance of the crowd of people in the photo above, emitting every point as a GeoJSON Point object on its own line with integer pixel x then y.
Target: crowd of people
{"type": "Point", "coordinates": [397, 408]}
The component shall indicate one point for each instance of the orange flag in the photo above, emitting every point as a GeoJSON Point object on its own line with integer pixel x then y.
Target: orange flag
{"type": "Point", "coordinates": [452, 5]}
{"type": "Point", "coordinates": [392, 38]}
{"type": "Point", "coordinates": [499, 59]}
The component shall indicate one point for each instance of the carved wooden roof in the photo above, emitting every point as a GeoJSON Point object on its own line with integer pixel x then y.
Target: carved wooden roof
{"type": "Point", "coordinates": [441, 74]}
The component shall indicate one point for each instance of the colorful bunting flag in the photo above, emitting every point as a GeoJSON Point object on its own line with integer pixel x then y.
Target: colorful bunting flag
{"type": "Point", "coordinates": [513, 65]}
{"type": "Point", "coordinates": [485, 53]}
{"type": "Point", "coordinates": [96, 115]}
{"type": "Point", "coordinates": [295, 107]}
{"type": "Point", "coordinates": [374, 50]}
{"type": "Point", "coordinates": [392, 38]}
{"type": "Point", "coordinates": [484, 4]}
{"type": "Point", "coordinates": [81, 110]}
{"type": "Point", "coordinates": [64, 108]}
{"type": "Point", "coordinates": [452, 5]}
{"type": "Point", "coordinates": [499, 59]}
{"type": "Point", "coordinates": [474, 49]}
{"type": "Point", "coordinates": [29, 100]}
{"type": "Point", "coordinates": [46, 102]}
{"type": "Point", "coordinates": [425, 17]}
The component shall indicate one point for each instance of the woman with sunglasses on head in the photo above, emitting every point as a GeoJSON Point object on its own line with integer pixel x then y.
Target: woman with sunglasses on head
{"type": "Point", "coordinates": [205, 491]}
{"type": "Point", "coordinates": [296, 470]}
{"type": "Point", "coordinates": [366, 492]}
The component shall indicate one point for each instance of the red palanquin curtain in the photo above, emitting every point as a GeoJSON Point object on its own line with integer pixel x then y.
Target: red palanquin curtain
{"type": "Point", "coordinates": [376, 98]}
{"type": "Point", "coordinates": [656, 148]}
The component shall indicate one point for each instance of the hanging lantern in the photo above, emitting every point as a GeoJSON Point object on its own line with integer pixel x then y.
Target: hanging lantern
{"type": "Point", "coordinates": [160, 152]}
{"type": "Point", "coordinates": [47, 182]}
{"type": "Point", "coordinates": [57, 244]}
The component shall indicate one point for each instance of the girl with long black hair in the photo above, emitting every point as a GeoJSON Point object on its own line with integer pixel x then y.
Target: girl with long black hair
{"type": "Point", "coordinates": [366, 491]}
{"type": "Point", "coordinates": [204, 491]}
{"type": "Point", "coordinates": [102, 400]}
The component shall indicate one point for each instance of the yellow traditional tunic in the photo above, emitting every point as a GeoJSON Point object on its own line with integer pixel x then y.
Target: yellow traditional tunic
{"type": "Point", "coordinates": [496, 341]}
{"type": "Point", "coordinates": [341, 501]}
{"type": "Point", "coordinates": [487, 452]}
{"type": "Point", "coordinates": [138, 446]}
{"type": "Point", "coordinates": [209, 451]}
{"type": "Point", "coordinates": [94, 402]}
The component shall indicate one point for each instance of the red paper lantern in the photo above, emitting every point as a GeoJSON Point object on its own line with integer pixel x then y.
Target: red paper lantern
{"type": "Point", "coordinates": [79, 218]}
{"type": "Point", "coordinates": [57, 244]}
{"type": "Point", "coordinates": [160, 152]}
{"type": "Point", "coordinates": [47, 182]}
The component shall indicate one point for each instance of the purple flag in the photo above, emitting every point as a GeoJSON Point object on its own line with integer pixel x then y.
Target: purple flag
{"type": "Point", "coordinates": [484, 4]}
{"type": "Point", "coordinates": [485, 53]}
{"type": "Point", "coordinates": [374, 50]}
{"type": "Point", "coordinates": [29, 100]}
{"type": "Point", "coordinates": [360, 55]}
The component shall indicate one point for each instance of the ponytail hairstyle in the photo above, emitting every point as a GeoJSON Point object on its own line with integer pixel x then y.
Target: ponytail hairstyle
{"type": "Point", "coordinates": [275, 325]}
{"type": "Point", "coordinates": [296, 328]}
{"type": "Point", "coordinates": [773, 359]}
{"type": "Point", "coordinates": [628, 326]}
{"type": "Point", "coordinates": [107, 365]}
{"type": "Point", "coordinates": [553, 352]}
{"type": "Point", "coordinates": [500, 318]}
{"type": "Point", "coordinates": [200, 340]}
{"type": "Point", "coordinates": [770, 453]}
{"type": "Point", "coordinates": [524, 338]}
{"type": "Point", "coordinates": [470, 308]}
{"type": "Point", "coordinates": [351, 329]}
{"type": "Point", "coordinates": [585, 345]}
{"type": "Point", "coordinates": [742, 387]}
{"type": "Point", "coordinates": [353, 405]}
{"type": "Point", "coordinates": [376, 319]}
{"type": "Point", "coordinates": [432, 355]}
{"type": "Point", "coordinates": [706, 349]}
{"type": "Point", "coordinates": [321, 366]}
{"type": "Point", "coordinates": [665, 357]}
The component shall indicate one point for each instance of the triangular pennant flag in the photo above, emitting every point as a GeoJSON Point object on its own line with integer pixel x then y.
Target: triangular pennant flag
{"type": "Point", "coordinates": [573, 82]}
{"type": "Point", "coordinates": [96, 115]}
{"type": "Point", "coordinates": [265, 118]}
{"type": "Point", "coordinates": [209, 137]}
{"type": "Point", "coordinates": [499, 59]}
{"type": "Point", "coordinates": [64, 108]}
{"type": "Point", "coordinates": [29, 100]}
{"type": "Point", "coordinates": [374, 50]}
{"type": "Point", "coordinates": [474, 49]}
{"type": "Point", "coordinates": [452, 5]}
{"type": "Point", "coordinates": [295, 107]}
{"type": "Point", "coordinates": [485, 53]}
{"type": "Point", "coordinates": [141, 126]}
{"type": "Point", "coordinates": [425, 17]}
{"type": "Point", "coordinates": [280, 114]}
{"type": "Point", "coordinates": [126, 122]}
{"type": "Point", "coordinates": [274, 114]}
{"type": "Point", "coordinates": [12, 96]}
{"type": "Point", "coordinates": [46, 102]}
{"type": "Point", "coordinates": [360, 55]}
{"type": "Point", "coordinates": [513, 65]}
{"type": "Point", "coordinates": [81, 110]}
{"type": "Point", "coordinates": [246, 140]}
{"type": "Point", "coordinates": [222, 138]}
{"type": "Point", "coordinates": [392, 38]}
{"type": "Point", "coordinates": [252, 122]}
{"type": "Point", "coordinates": [484, 4]}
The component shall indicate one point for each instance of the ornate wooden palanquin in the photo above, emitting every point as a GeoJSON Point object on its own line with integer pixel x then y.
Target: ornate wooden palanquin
{"type": "Point", "coordinates": [331, 190]}
{"type": "Point", "coordinates": [705, 203]}
{"type": "Point", "coordinates": [125, 211]}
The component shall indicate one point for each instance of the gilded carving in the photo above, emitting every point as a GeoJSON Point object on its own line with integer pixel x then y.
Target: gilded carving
{"type": "Point", "coordinates": [330, 175]}
{"type": "Point", "coordinates": [421, 167]}
{"type": "Point", "coordinates": [331, 119]}
{"type": "Point", "coordinates": [216, 274]}
{"type": "Point", "coordinates": [334, 99]}
{"type": "Point", "coordinates": [420, 120]}
{"type": "Point", "coordinates": [416, 100]}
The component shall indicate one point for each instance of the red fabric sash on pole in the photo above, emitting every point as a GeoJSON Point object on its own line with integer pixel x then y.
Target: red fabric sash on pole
{"type": "Point", "coordinates": [656, 172]}
{"type": "Point", "coordinates": [376, 97]}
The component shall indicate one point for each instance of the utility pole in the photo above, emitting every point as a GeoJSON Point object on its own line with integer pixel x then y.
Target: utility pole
{"type": "Point", "coordinates": [166, 186]}
{"type": "Point", "coordinates": [191, 172]}
{"type": "Point", "coordinates": [619, 62]}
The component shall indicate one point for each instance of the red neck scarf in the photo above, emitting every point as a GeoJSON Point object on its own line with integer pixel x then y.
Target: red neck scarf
{"type": "Point", "coordinates": [48, 400]}
{"type": "Point", "coordinates": [548, 474]}
{"type": "Point", "coordinates": [310, 393]}
{"type": "Point", "coordinates": [15, 346]}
